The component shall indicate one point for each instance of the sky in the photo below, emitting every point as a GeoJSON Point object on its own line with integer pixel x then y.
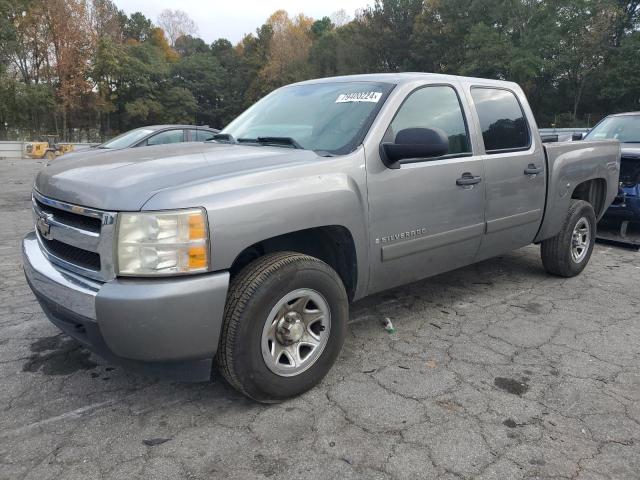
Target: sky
{"type": "Point", "coordinates": [232, 19]}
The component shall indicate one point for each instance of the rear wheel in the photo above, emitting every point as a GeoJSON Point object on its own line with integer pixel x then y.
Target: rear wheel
{"type": "Point", "coordinates": [285, 323]}
{"type": "Point", "coordinates": [568, 253]}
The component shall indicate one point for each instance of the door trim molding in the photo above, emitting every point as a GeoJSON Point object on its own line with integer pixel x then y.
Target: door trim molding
{"type": "Point", "coordinates": [512, 221]}
{"type": "Point", "coordinates": [416, 245]}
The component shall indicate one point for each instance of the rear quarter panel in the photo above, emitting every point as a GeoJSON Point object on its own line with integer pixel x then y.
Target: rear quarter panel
{"type": "Point", "coordinates": [568, 165]}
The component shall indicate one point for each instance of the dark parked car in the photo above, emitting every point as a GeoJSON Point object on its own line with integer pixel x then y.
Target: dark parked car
{"type": "Point", "coordinates": [151, 135]}
{"type": "Point", "coordinates": [622, 220]}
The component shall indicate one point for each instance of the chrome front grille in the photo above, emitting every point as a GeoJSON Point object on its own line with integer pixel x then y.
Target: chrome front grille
{"type": "Point", "coordinates": [77, 238]}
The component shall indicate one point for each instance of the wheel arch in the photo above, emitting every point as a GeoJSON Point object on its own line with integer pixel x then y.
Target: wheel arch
{"type": "Point", "coordinates": [333, 244]}
{"type": "Point", "coordinates": [593, 191]}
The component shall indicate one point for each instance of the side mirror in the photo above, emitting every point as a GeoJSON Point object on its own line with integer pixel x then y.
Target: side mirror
{"type": "Point", "coordinates": [577, 136]}
{"type": "Point", "coordinates": [414, 143]}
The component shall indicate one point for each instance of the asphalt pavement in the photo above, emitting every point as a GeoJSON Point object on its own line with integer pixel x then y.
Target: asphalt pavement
{"type": "Point", "coordinates": [495, 371]}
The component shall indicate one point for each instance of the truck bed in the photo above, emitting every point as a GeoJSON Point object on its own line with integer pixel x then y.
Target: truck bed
{"type": "Point", "coordinates": [568, 164]}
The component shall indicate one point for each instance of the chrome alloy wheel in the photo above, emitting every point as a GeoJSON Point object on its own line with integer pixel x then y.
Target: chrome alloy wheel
{"type": "Point", "coordinates": [580, 240]}
{"type": "Point", "coordinates": [296, 332]}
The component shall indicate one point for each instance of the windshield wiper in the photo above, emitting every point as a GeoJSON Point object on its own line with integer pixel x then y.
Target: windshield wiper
{"type": "Point", "coordinates": [225, 137]}
{"type": "Point", "coordinates": [324, 153]}
{"type": "Point", "coordinates": [284, 141]}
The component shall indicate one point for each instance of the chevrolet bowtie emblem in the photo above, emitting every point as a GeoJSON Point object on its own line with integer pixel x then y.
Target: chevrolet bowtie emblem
{"type": "Point", "coordinates": [44, 227]}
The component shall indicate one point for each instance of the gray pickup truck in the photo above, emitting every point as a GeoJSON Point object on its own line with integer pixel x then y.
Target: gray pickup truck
{"type": "Point", "coordinates": [244, 252]}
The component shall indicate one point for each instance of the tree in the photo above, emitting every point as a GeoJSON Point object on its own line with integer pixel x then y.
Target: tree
{"type": "Point", "coordinates": [322, 26]}
{"type": "Point", "coordinates": [137, 27]}
{"type": "Point", "coordinates": [84, 65]}
{"type": "Point", "coordinates": [176, 23]}
{"type": "Point", "coordinates": [27, 40]}
{"type": "Point", "coordinates": [202, 75]}
{"type": "Point", "coordinates": [585, 38]}
{"type": "Point", "coordinates": [254, 51]}
{"type": "Point", "coordinates": [339, 18]}
{"type": "Point", "coordinates": [188, 45]}
{"type": "Point", "coordinates": [105, 19]}
{"type": "Point", "coordinates": [70, 34]}
{"type": "Point", "coordinates": [620, 83]}
{"type": "Point", "coordinates": [289, 47]}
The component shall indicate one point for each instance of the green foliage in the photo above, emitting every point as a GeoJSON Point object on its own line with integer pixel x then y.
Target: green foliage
{"type": "Point", "coordinates": [136, 27]}
{"type": "Point", "coordinates": [577, 60]}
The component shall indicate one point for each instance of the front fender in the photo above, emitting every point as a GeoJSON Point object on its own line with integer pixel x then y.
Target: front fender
{"type": "Point", "coordinates": [243, 211]}
{"type": "Point", "coordinates": [266, 211]}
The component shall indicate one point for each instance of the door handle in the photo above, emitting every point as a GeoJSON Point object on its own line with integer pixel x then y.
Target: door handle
{"type": "Point", "coordinates": [532, 169]}
{"type": "Point", "coordinates": [467, 179]}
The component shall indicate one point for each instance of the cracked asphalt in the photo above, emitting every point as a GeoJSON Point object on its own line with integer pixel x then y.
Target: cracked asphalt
{"type": "Point", "coordinates": [496, 371]}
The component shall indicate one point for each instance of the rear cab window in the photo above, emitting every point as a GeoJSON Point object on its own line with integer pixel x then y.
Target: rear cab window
{"type": "Point", "coordinates": [502, 121]}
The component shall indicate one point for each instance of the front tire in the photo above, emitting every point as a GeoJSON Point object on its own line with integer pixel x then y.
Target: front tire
{"type": "Point", "coordinates": [568, 253]}
{"type": "Point", "coordinates": [284, 324]}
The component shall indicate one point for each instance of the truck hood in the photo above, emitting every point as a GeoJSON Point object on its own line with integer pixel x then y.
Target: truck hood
{"type": "Point", "coordinates": [126, 179]}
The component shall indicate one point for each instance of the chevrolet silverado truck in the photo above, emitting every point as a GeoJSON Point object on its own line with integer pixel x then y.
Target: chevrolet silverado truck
{"type": "Point", "coordinates": [242, 254]}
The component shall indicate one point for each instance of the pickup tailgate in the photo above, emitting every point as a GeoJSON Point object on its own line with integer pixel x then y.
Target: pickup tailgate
{"type": "Point", "coordinates": [570, 164]}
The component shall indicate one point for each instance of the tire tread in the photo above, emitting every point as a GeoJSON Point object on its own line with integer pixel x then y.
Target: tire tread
{"type": "Point", "coordinates": [241, 289]}
{"type": "Point", "coordinates": [556, 258]}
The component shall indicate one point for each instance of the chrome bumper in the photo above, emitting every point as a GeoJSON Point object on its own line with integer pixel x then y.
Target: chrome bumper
{"type": "Point", "coordinates": [173, 324]}
{"type": "Point", "coordinates": [69, 290]}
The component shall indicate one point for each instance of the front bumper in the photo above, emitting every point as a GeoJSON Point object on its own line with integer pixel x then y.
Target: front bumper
{"type": "Point", "coordinates": [167, 327]}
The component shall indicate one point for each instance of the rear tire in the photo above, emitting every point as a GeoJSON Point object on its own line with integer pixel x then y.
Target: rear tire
{"type": "Point", "coordinates": [568, 253]}
{"type": "Point", "coordinates": [285, 321]}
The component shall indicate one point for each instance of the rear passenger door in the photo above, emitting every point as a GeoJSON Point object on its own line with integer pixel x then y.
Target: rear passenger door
{"type": "Point", "coordinates": [514, 166]}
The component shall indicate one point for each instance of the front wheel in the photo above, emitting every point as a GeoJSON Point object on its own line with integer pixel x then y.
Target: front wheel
{"type": "Point", "coordinates": [284, 325]}
{"type": "Point", "coordinates": [568, 253]}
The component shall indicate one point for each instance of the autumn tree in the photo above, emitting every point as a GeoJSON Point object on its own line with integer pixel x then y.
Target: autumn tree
{"type": "Point", "coordinates": [84, 65]}
{"type": "Point", "coordinates": [289, 46]}
{"type": "Point", "coordinates": [71, 38]}
{"type": "Point", "coordinates": [176, 23]}
{"type": "Point", "coordinates": [27, 41]}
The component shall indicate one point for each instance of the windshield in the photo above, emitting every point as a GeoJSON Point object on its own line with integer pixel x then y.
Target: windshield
{"type": "Point", "coordinates": [127, 139]}
{"type": "Point", "coordinates": [625, 128]}
{"type": "Point", "coordinates": [327, 117]}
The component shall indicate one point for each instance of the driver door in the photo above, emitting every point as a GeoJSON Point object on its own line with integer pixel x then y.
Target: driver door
{"type": "Point", "coordinates": [424, 219]}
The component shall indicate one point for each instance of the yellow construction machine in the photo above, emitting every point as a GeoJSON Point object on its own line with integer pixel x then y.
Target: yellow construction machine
{"type": "Point", "coordinates": [47, 147]}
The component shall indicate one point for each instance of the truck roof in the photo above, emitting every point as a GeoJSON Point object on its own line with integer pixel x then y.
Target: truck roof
{"type": "Point", "coordinates": [405, 77]}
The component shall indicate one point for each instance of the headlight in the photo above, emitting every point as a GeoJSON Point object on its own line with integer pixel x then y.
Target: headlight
{"type": "Point", "coordinates": [163, 243]}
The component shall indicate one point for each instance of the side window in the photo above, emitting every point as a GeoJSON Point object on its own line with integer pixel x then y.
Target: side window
{"type": "Point", "coordinates": [201, 135]}
{"type": "Point", "coordinates": [436, 107]}
{"type": "Point", "coordinates": [503, 124]}
{"type": "Point", "coordinates": [170, 136]}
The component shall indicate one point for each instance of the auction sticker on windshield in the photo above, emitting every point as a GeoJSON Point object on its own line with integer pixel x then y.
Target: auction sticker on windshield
{"type": "Point", "coordinates": [373, 97]}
